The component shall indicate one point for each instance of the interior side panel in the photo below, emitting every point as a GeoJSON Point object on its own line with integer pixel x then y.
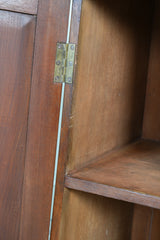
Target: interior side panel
{"type": "Point", "coordinates": [110, 86]}
{"type": "Point", "coordinates": [151, 127]}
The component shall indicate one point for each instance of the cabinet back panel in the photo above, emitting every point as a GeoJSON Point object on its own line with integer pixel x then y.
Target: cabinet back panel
{"type": "Point", "coordinates": [110, 86]}
{"type": "Point", "coordinates": [151, 128]}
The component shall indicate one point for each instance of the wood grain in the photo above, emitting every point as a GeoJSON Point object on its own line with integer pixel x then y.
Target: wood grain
{"type": "Point", "coordinates": [145, 223]}
{"type": "Point", "coordinates": [107, 112]}
{"type": "Point", "coordinates": [151, 128]}
{"type": "Point", "coordinates": [142, 223]}
{"type": "Point", "coordinates": [94, 217]}
{"type": "Point", "coordinates": [155, 230]}
{"type": "Point", "coordinates": [76, 11]}
{"type": "Point", "coordinates": [111, 192]}
{"type": "Point", "coordinates": [135, 168]}
{"type": "Point", "coordinates": [16, 50]}
{"type": "Point", "coordinates": [24, 6]}
{"type": "Point", "coordinates": [43, 121]}
{"type": "Point", "coordinates": [109, 90]}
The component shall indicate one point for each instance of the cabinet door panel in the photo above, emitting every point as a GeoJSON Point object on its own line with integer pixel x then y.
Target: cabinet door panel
{"type": "Point", "coordinates": [26, 6]}
{"type": "Point", "coordinates": [52, 24]}
{"type": "Point", "coordinates": [16, 50]}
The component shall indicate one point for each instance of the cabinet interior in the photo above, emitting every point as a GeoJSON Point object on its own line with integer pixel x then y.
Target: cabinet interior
{"type": "Point", "coordinates": [114, 143]}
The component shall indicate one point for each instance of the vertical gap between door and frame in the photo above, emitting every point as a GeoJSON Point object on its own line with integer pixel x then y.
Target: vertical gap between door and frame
{"type": "Point", "coordinates": [59, 129]}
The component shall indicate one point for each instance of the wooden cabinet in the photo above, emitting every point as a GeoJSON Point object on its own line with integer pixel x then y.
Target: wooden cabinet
{"type": "Point", "coordinates": [112, 166]}
{"type": "Point", "coordinates": [99, 178]}
{"type": "Point", "coordinates": [29, 107]}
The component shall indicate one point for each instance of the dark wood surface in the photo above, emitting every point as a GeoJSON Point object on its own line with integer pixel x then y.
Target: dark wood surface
{"type": "Point", "coordinates": [145, 224]}
{"type": "Point", "coordinates": [142, 223]}
{"type": "Point", "coordinates": [155, 230]}
{"type": "Point", "coordinates": [43, 121]}
{"type": "Point", "coordinates": [76, 11]}
{"type": "Point", "coordinates": [87, 216]}
{"type": "Point", "coordinates": [107, 111]}
{"type": "Point", "coordinates": [16, 51]}
{"type": "Point", "coordinates": [151, 128]}
{"type": "Point", "coordinates": [110, 85]}
{"type": "Point", "coordinates": [133, 172]}
{"type": "Point", "coordinates": [111, 192]}
{"type": "Point", "coordinates": [24, 6]}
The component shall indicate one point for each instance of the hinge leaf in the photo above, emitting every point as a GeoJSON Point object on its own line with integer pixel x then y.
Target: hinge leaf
{"type": "Point", "coordinates": [64, 64]}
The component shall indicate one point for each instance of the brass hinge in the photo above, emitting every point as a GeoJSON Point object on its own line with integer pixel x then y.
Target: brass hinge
{"type": "Point", "coordinates": [64, 64]}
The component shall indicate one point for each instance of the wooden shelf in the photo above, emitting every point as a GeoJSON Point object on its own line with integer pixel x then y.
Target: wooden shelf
{"type": "Point", "coordinates": [131, 173]}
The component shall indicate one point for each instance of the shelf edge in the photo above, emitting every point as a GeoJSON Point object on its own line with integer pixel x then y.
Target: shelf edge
{"type": "Point", "coordinates": [112, 192]}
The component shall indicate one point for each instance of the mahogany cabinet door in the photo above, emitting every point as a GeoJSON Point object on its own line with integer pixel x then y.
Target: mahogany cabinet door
{"type": "Point", "coordinates": [29, 112]}
{"type": "Point", "coordinates": [16, 50]}
{"type": "Point", "coordinates": [24, 6]}
{"type": "Point", "coordinates": [52, 22]}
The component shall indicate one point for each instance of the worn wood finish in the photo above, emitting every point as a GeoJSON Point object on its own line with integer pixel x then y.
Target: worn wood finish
{"type": "Point", "coordinates": [135, 168]}
{"type": "Point", "coordinates": [109, 90]}
{"type": "Point", "coordinates": [145, 223]}
{"type": "Point", "coordinates": [151, 129]}
{"type": "Point", "coordinates": [155, 230]}
{"type": "Point", "coordinates": [107, 112]}
{"type": "Point", "coordinates": [76, 11]}
{"type": "Point", "coordinates": [111, 192]}
{"type": "Point", "coordinates": [43, 121]}
{"type": "Point", "coordinates": [24, 6]}
{"type": "Point", "coordinates": [16, 50]}
{"type": "Point", "coordinates": [142, 223]}
{"type": "Point", "coordinates": [93, 217]}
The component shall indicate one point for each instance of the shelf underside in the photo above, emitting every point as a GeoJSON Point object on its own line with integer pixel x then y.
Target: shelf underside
{"type": "Point", "coordinates": [131, 174]}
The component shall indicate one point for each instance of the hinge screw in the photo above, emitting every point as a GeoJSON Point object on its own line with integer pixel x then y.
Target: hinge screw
{"type": "Point", "coordinates": [60, 46]}
{"type": "Point", "coordinates": [58, 62]}
{"type": "Point", "coordinates": [69, 79]}
{"type": "Point", "coordinates": [57, 78]}
{"type": "Point", "coordinates": [70, 63]}
{"type": "Point", "coordinates": [72, 47]}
